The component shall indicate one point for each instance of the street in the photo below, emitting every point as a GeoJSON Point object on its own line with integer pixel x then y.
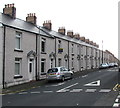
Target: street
{"type": "Point", "coordinates": [92, 89]}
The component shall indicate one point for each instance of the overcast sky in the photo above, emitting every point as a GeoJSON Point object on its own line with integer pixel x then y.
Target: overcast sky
{"type": "Point", "coordinates": [97, 20]}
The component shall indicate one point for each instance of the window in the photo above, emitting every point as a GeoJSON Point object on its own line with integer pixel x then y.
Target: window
{"type": "Point", "coordinates": [72, 62]}
{"type": "Point", "coordinates": [78, 49]}
{"type": "Point", "coordinates": [72, 47]}
{"type": "Point", "coordinates": [31, 65]}
{"type": "Point", "coordinates": [59, 44]}
{"type": "Point", "coordinates": [43, 45]}
{"type": "Point", "coordinates": [18, 41]}
{"type": "Point", "coordinates": [43, 65]}
{"type": "Point", "coordinates": [18, 66]}
{"type": "Point", "coordinates": [59, 62]}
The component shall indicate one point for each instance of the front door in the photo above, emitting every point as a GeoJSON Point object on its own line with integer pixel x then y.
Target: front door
{"type": "Point", "coordinates": [31, 69]}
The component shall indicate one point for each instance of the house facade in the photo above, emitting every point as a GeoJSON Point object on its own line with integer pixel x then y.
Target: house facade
{"type": "Point", "coordinates": [27, 50]}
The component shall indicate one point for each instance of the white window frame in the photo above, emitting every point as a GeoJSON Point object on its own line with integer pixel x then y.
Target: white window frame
{"type": "Point", "coordinates": [43, 40]}
{"type": "Point", "coordinates": [43, 61]}
{"type": "Point", "coordinates": [72, 48]}
{"type": "Point", "coordinates": [18, 36]}
{"type": "Point", "coordinates": [59, 44]}
{"type": "Point", "coordinates": [59, 62]}
{"type": "Point", "coordinates": [20, 63]}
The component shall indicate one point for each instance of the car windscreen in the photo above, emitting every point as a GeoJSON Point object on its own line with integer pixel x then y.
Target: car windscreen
{"type": "Point", "coordinates": [52, 70]}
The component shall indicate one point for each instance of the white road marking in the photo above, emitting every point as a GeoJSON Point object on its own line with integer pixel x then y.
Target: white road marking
{"type": "Point", "coordinates": [67, 87]}
{"type": "Point", "coordinates": [95, 83]}
{"type": "Point", "coordinates": [23, 93]}
{"type": "Point", "coordinates": [118, 96]}
{"type": "Point", "coordinates": [105, 90]}
{"type": "Point", "coordinates": [48, 91]}
{"type": "Point", "coordinates": [116, 105]}
{"type": "Point", "coordinates": [84, 76]}
{"type": "Point", "coordinates": [36, 92]}
{"type": "Point", "coordinates": [58, 84]}
{"type": "Point", "coordinates": [2, 94]}
{"type": "Point", "coordinates": [116, 100]}
{"type": "Point", "coordinates": [76, 90]}
{"type": "Point", "coordinates": [90, 90]}
{"type": "Point", "coordinates": [62, 91]}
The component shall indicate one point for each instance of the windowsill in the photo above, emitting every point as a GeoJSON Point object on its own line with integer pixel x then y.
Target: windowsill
{"type": "Point", "coordinates": [18, 50]}
{"type": "Point", "coordinates": [43, 53]}
{"type": "Point", "coordinates": [17, 76]}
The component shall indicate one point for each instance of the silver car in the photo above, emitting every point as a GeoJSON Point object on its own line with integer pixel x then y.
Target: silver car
{"type": "Point", "coordinates": [59, 73]}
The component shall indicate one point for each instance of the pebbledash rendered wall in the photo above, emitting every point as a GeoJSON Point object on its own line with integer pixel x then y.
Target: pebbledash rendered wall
{"type": "Point", "coordinates": [28, 43]}
{"type": "Point", "coordinates": [75, 54]}
{"type": "Point", "coordinates": [1, 54]}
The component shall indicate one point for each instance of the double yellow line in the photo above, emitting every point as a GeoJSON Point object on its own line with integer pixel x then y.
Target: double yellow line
{"type": "Point", "coordinates": [117, 87]}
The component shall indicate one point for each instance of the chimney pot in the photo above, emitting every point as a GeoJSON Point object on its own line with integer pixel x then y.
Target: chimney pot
{"type": "Point", "coordinates": [10, 10]}
{"type": "Point", "coordinates": [31, 18]}
{"type": "Point", "coordinates": [61, 30]}
{"type": "Point", "coordinates": [47, 24]}
{"type": "Point", "coordinates": [70, 33]}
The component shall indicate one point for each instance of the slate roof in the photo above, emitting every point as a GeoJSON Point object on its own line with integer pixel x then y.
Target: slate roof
{"type": "Point", "coordinates": [65, 37]}
{"type": "Point", "coordinates": [23, 25]}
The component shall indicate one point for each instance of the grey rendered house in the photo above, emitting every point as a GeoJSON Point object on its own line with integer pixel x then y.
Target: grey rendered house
{"type": "Point", "coordinates": [27, 51]}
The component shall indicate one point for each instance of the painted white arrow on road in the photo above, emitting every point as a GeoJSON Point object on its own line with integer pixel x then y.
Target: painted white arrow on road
{"type": "Point", "coordinates": [95, 83]}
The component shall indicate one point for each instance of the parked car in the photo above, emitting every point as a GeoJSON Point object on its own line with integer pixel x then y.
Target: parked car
{"type": "Point", "coordinates": [59, 73]}
{"type": "Point", "coordinates": [116, 64]}
{"type": "Point", "coordinates": [111, 64]}
{"type": "Point", "coordinates": [103, 66]}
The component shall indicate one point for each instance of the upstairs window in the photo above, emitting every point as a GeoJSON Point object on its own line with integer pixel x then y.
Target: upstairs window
{"type": "Point", "coordinates": [43, 45]}
{"type": "Point", "coordinates": [72, 47]}
{"type": "Point", "coordinates": [18, 41]}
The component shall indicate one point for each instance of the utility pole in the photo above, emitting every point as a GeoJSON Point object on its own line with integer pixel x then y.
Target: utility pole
{"type": "Point", "coordinates": [102, 51]}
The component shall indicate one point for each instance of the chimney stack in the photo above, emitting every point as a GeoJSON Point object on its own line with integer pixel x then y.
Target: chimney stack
{"type": "Point", "coordinates": [31, 18]}
{"type": "Point", "coordinates": [87, 41]}
{"type": "Point", "coordinates": [47, 25]}
{"type": "Point", "coordinates": [10, 10]}
{"type": "Point", "coordinates": [82, 39]}
{"type": "Point", "coordinates": [62, 30]}
{"type": "Point", "coordinates": [70, 33]}
{"type": "Point", "coordinates": [91, 42]}
{"type": "Point", "coordinates": [77, 36]}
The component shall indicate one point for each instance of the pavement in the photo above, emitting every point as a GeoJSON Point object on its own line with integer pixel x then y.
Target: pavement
{"type": "Point", "coordinates": [34, 84]}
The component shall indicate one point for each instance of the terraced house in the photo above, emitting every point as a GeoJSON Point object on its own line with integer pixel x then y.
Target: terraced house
{"type": "Point", "coordinates": [27, 50]}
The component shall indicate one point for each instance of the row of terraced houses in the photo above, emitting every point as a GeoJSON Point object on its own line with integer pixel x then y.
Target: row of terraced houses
{"type": "Point", "coordinates": [27, 50]}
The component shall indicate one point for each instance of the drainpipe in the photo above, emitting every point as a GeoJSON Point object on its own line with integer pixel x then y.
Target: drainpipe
{"type": "Point", "coordinates": [37, 75]}
{"type": "Point", "coordinates": [68, 55]}
{"type": "Point", "coordinates": [55, 52]}
{"type": "Point", "coordinates": [4, 35]}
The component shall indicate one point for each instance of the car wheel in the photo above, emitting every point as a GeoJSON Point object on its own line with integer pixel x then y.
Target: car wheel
{"type": "Point", "coordinates": [71, 76]}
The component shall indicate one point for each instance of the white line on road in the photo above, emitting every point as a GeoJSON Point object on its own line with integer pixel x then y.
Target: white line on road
{"type": "Point", "coordinates": [58, 84]}
{"type": "Point", "coordinates": [105, 90]}
{"type": "Point", "coordinates": [36, 92]}
{"type": "Point", "coordinates": [23, 93]}
{"type": "Point", "coordinates": [84, 76]}
{"type": "Point", "coordinates": [62, 91]}
{"type": "Point", "coordinates": [48, 91]}
{"type": "Point", "coordinates": [116, 105]}
{"type": "Point", "coordinates": [90, 90]}
{"type": "Point", "coordinates": [67, 87]}
{"type": "Point", "coordinates": [76, 90]}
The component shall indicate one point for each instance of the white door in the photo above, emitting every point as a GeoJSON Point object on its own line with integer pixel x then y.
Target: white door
{"type": "Point", "coordinates": [31, 69]}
